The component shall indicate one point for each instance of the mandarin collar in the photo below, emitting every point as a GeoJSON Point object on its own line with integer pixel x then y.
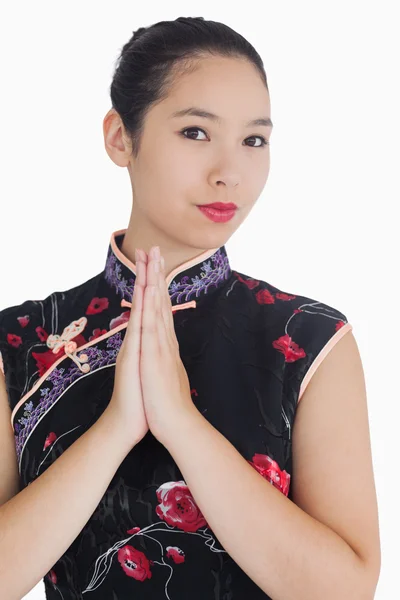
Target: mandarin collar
{"type": "Point", "coordinates": [188, 283]}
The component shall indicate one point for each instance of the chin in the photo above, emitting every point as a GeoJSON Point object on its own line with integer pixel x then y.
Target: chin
{"type": "Point", "coordinates": [209, 239]}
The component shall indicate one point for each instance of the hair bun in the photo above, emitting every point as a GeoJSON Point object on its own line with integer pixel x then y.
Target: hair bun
{"type": "Point", "coordinates": [138, 33]}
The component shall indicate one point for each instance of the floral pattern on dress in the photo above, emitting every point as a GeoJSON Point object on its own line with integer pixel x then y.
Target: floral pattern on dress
{"type": "Point", "coordinates": [247, 347]}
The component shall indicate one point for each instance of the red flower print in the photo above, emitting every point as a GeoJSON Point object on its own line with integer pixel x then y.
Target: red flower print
{"type": "Point", "coordinates": [134, 563]}
{"type": "Point", "coordinates": [283, 296]}
{"type": "Point", "coordinates": [79, 340]}
{"type": "Point", "coordinates": [339, 324]}
{"type": "Point", "coordinates": [271, 471]}
{"type": "Point", "coordinates": [42, 334]}
{"type": "Point", "coordinates": [97, 305]}
{"type": "Point", "coordinates": [265, 297]}
{"type": "Point", "coordinates": [177, 555]}
{"type": "Point", "coordinates": [52, 576]}
{"type": "Point", "coordinates": [14, 340]}
{"type": "Point", "coordinates": [23, 321]}
{"type": "Point", "coordinates": [133, 530]}
{"type": "Point", "coordinates": [289, 348]}
{"type": "Point", "coordinates": [177, 506]}
{"type": "Point", "coordinates": [44, 360]}
{"type": "Point", "coordinates": [97, 333]}
{"type": "Point", "coordinates": [250, 282]}
{"type": "Point", "coordinates": [122, 318]}
{"type": "Point", "coordinates": [49, 440]}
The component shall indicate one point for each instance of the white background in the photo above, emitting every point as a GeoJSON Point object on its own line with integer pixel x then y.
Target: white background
{"type": "Point", "coordinates": [324, 226]}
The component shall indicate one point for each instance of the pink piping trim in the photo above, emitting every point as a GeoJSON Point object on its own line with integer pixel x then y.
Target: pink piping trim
{"type": "Point", "coordinates": [320, 357]}
{"type": "Point", "coordinates": [82, 358]}
{"type": "Point", "coordinates": [186, 265]}
{"type": "Point", "coordinates": [125, 260]}
{"type": "Point", "coordinates": [55, 364]}
{"type": "Point", "coordinates": [190, 304]}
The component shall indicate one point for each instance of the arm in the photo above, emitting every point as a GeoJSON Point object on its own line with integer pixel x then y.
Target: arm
{"type": "Point", "coordinates": [49, 513]}
{"type": "Point", "coordinates": [289, 553]}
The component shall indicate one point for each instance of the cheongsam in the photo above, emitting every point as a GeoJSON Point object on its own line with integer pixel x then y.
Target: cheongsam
{"type": "Point", "coordinates": [249, 349]}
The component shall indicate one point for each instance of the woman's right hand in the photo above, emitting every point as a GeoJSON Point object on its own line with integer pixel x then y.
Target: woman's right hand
{"type": "Point", "coordinates": [127, 401]}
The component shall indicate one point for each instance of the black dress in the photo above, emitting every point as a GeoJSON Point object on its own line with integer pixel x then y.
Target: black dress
{"type": "Point", "coordinates": [249, 350]}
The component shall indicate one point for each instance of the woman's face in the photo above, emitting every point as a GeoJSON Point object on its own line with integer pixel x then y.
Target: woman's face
{"type": "Point", "coordinates": [214, 161]}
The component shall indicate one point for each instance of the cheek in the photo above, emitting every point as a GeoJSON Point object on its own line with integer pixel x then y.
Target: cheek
{"type": "Point", "coordinates": [177, 178]}
{"type": "Point", "coordinates": [183, 168]}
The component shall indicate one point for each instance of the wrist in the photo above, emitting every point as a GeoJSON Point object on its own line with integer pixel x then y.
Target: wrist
{"type": "Point", "coordinates": [180, 425]}
{"type": "Point", "coordinates": [112, 423]}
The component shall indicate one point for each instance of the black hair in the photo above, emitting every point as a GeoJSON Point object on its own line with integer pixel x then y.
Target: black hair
{"type": "Point", "coordinates": [150, 60]}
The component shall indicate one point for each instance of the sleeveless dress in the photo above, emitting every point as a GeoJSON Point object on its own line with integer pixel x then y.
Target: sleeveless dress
{"type": "Point", "coordinates": [249, 349]}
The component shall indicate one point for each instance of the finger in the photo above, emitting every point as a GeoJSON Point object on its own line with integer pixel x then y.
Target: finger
{"type": "Point", "coordinates": [166, 307]}
{"type": "Point", "coordinates": [170, 313]}
{"type": "Point", "coordinates": [152, 275]}
{"type": "Point", "coordinates": [143, 257]}
{"type": "Point", "coordinates": [162, 331]}
{"type": "Point", "coordinates": [163, 300]}
{"type": "Point", "coordinates": [149, 324]}
{"type": "Point", "coordinates": [133, 330]}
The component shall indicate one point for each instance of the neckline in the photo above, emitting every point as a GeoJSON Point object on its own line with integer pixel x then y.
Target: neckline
{"type": "Point", "coordinates": [188, 284]}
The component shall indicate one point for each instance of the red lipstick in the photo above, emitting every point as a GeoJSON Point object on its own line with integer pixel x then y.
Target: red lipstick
{"type": "Point", "coordinates": [219, 212]}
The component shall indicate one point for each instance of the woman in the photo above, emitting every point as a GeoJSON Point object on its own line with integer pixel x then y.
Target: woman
{"type": "Point", "coordinates": [160, 447]}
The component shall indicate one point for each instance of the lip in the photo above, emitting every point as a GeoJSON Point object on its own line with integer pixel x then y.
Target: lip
{"type": "Point", "coordinates": [218, 216]}
{"type": "Point", "coordinates": [220, 205]}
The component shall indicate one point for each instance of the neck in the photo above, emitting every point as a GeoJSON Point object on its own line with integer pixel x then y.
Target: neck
{"type": "Point", "coordinates": [174, 253]}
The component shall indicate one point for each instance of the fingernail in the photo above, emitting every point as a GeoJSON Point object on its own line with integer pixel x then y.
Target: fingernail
{"type": "Point", "coordinates": [162, 263]}
{"type": "Point", "coordinates": [157, 252]}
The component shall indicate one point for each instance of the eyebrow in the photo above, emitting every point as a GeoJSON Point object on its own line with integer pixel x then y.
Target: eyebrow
{"type": "Point", "coordinates": [199, 112]}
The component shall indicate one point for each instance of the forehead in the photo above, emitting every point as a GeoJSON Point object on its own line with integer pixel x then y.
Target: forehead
{"type": "Point", "coordinates": [216, 72]}
{"type": "Point", "coordinates": [219, 89]}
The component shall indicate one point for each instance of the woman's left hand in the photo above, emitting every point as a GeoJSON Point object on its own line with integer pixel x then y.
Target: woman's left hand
{"type": "Point", "coordinates": [165, 383]}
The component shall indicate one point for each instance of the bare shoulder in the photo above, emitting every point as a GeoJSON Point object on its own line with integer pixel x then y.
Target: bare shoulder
{"type": "Point", "coordinates": [333, 477]}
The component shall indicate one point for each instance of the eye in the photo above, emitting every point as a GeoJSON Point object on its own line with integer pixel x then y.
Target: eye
{"type": "Point", "coordinates": [263, 143]}
{"type": "Point", "coordinates": [191, 129]}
